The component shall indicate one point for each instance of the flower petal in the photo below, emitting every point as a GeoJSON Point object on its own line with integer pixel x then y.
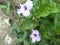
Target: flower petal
{"type": "Point", "coordinates": [19, 11]}
{"type": "Point", "coordinates": [38, 38]}
{"type": "Point", "coordinates": [33, 40]}
{"type": "Point", "coordinates": [26, 13]}
{"type": "Point", "coordinates": [29, 4]}
{"type": "Point", "coordinates": [35, 32]}
{"type": "Point", "coordinates": [32, 36]}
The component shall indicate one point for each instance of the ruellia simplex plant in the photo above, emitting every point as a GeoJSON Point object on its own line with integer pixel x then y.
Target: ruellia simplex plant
{"type": "Point", "coordinates": [37, 22]}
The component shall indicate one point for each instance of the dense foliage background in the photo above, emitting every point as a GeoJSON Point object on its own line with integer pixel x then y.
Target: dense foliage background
{"type": "Point", "coordinates": [45, 17]}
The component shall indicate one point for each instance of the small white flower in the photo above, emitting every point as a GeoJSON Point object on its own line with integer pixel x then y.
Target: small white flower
{"type": "Point", "coordinates": [25, 8]}
{"type": "Point", "coordinates": [8, 39]}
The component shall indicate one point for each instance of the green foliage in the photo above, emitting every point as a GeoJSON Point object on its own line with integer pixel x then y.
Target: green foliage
{"type": "Point", "coordinates": [26, 42]}
{"type": "Point", "coordinates": [57, 23]}
{"type": "Point", "coordinates": [43, 10]}
{"type": "Point", "coordinates": [29, 24]}
{"type": "Point", "coordinates": [15, 33]}
{"type": "Point", "coordinates": [22, 38]}
{"type": "Point", "coordinates": [43, 43]}
{"type": "Point", "coordinates": [7, 7]}
{"type": "Point", "coordinates": [15, 26]}
{"type": "Point", "coordinates": [46, 9]}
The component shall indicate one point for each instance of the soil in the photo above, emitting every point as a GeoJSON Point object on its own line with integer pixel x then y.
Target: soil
{"type": "Point", "coordinates": [4, 29]}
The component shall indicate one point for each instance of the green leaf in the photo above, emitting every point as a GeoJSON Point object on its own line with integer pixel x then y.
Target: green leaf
{"type": "Point", "coordinates": [56, 41]}
{"type": "Point", "coordinates": [45, 25]}
{"type": "Point", "coordinates": [43, 43]}
{"type": "Point", "coordinates": [45, 1]}
{"type": "Point", "coordinates": [26, 42]}
{"type": "Point", "coordinates": [43, 8]}
{"type": "Point", "coordinates": [22, 38]}
{"type": "Point", "coordinates": [58, 6]}
{"type": "Point", "coordinates": [29, 24]}
{"type": "Point", "coordinates": [46, 9]}
{"type": "Point", "coordinates": [8, 8]}
{"type": "Point", "coordinates": [57, 23]}
{"type": "Point", "coordinates": [2, 6]}
{"type": "Point", "coordinates": [15, 33]}
{"type": "Point", "coordinates": [15, 26]}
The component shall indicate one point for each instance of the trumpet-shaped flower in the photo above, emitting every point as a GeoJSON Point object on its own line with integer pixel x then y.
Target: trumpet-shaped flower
{"type": "Point", "coordinates": [25, 8]}
{"type": "Point", "coordinates": [35, 36]}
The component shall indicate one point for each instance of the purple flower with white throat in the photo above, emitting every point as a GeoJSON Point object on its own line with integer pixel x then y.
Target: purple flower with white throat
{"type": "Point", "coordinates": [35, 36]}
{"type": "Point", "coordinates": [25, 8]}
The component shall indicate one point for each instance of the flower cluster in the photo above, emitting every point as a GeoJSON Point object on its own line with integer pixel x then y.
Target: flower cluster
{"type": "Point", "coordinates": [25, 8]}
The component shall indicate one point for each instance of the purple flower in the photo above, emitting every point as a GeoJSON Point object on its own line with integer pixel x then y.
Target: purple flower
{"type": "Point", "coordinates": [29, 4]}
{"type": "Point", "coordinates": [25, 8]}
{"type": "Point", "coordinates": [35, 36]}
